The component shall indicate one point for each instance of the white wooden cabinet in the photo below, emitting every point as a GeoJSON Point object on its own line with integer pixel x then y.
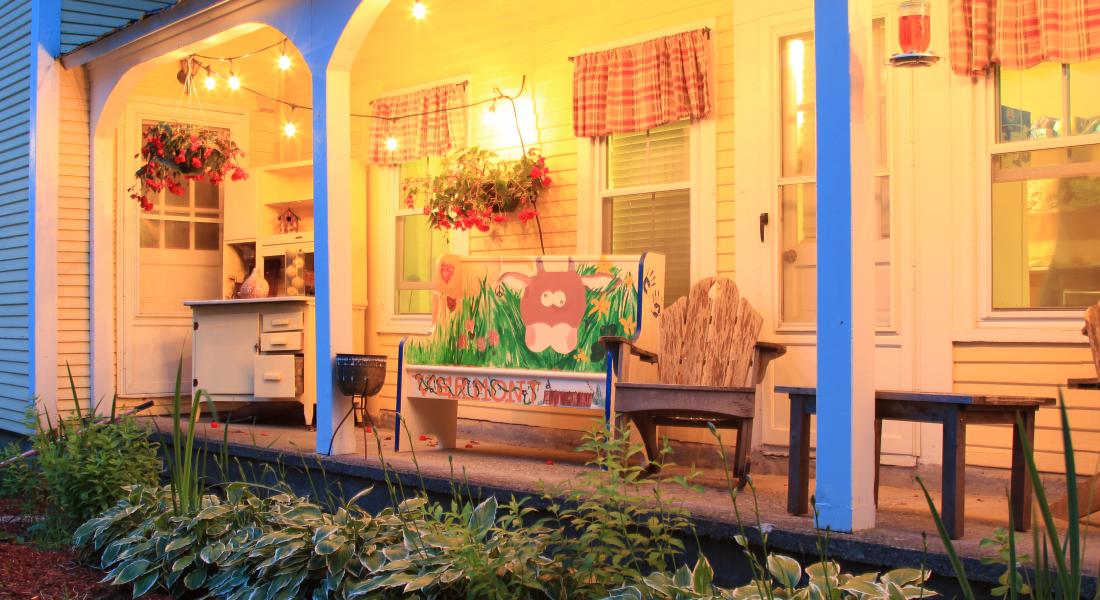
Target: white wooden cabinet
{"type": "Point", "coordinates": [254, 350]}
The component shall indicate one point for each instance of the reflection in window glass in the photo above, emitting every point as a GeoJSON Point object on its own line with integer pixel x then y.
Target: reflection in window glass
{"type": "Point", "coordinates": [150, 233]}
{"type": "Point", "coordinates": [1045, 219]}
{"type": "Point", "coordinates": [418, 246]}
{"type": "Point", "coordinates": [1084, 97]}
{"type": "Point", "coordinates": [207, 236]}
{"type": "Point", "coordinates": [1031, 102]}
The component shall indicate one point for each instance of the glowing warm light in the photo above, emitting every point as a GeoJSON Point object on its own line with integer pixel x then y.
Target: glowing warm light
{"type": "Point", "coordinates": [501, 124]}
{"type": "Point", "coordinates": [234, 82]}
{"type": "Point", "coordinates": [391, 143]}
{"type": "Point", "coordinates": [210, 82]}
{"type": "Point", "coordinates": [290, 129]}
{"type": "Point", "coordinates": [419, 10]}
{"type": "Point", "coordinates": [284, 62]}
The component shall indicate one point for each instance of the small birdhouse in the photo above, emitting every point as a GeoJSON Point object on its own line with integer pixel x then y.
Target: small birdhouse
{"type": "Point", "coordinates": [289, 222]}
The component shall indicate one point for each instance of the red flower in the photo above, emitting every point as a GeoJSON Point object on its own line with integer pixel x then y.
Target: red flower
{"type": "Point", "coordinates": [469, 325]}
{"type": "Point", "coordinates": [462, 343]}
{"type": "Point", "coordinates": [545, 182]}
{"type": "Point", "coordinates": [526, 215]}
{"type": "Point", "coordinates": [481, 344]}
{"type": "Point", "coordinates": [494, 339]}
{"type": "Point", "coordinates": [536, 173]}
{"type": "Point", "coordinates": [196, 162]}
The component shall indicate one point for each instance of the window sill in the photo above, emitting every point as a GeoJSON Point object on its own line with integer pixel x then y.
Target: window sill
{"type": "Point", "coordinates": [1050, 334]}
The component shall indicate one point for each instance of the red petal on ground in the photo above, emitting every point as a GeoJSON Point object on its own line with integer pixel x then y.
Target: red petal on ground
{"type": "Point", "coordinates": [469, 445]}
{"type": "Point", "coordinates": [549, 462]}
{"type": "Point", "coordinates": [424, 438]}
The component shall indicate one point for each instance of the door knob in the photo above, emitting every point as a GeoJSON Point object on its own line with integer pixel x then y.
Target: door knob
{"type": "Point", "coordinates": [763, 224]}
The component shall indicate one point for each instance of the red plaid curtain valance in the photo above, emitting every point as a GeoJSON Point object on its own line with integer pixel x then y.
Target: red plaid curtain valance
{"type": "Point", "coordinates": [1018, 34]}
{"type": "Point", "coordinates": [426, 124]}
{"type": "Point", "coordinates": [641, 86]}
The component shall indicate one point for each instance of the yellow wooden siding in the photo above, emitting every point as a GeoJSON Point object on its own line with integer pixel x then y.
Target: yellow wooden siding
{"type": "Point", "coordinates": [533, 40]}
{"type": "Point", "coordinates": [73, 291]}
{"type": "Point", "coordinates": [1032, 370]}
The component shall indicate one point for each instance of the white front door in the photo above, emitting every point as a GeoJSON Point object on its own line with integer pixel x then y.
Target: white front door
{"type": "Point", "coordinates": [776, 209]}
{"type": "Point", "coordinates": [166, 256]}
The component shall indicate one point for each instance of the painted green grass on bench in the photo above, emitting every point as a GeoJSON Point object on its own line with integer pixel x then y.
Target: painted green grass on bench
{"type": "Point", "coordinates": [496, 309]}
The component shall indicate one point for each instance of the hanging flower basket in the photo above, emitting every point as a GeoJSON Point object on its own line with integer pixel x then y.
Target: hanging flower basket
{"type": "Point", "coordinates": [173, 153]}
{"type": "Point", "coordinates": [475, 190]}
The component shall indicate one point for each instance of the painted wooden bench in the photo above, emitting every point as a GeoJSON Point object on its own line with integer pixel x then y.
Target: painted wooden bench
{"type": "Point", "coordinates": [523, 332]}
{"type": "Point", "coordinates": [708, 362]}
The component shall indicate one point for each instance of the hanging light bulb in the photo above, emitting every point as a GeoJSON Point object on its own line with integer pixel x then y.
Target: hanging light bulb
{"type": "Point", "coordinates": [391, 143]}
{"type": "Point", "coordinates": [210, 82]}
{"type": "Point", "coordinates": [290, 129]}
{"type": "Point", "coordinates": [419, 10]}
{"type": "Point", "coordinates": [233, 81]}
{"type": "Point", "coordinates": [284, 59]}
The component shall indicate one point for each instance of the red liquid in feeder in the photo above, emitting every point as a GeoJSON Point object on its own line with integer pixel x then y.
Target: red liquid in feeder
{"type": "Point", "coordinates": [913, 33]}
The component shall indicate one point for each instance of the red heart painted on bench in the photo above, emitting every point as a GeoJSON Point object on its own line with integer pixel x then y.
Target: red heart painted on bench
{"type": "Point", "coordinates": [446, 271]}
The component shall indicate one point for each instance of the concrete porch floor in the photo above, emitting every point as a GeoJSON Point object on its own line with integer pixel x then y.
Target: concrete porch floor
{"type": "Point", "coordinates": [898, 539]}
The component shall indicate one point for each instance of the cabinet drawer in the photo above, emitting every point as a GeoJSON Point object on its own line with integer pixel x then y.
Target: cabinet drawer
{"type": "Point", "coordinates": [278, 376]}
{"type": "Point", "coordinates": [281, 342]}
{"type": "Point", "coordinates": [283, 321]}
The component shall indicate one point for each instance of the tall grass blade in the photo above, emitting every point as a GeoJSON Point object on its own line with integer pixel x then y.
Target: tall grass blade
{"type": "Point", "coordinates": [76, 398]}
{"type": "Point", "coordinates": [1073, 530]}
{"type": "Point", "coordinates": [960, 573]}
{"type": "Point", "coordinates": [1061, 569]}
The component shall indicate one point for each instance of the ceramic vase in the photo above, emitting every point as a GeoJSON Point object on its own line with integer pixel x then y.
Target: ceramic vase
{"type": "Point", "coordinates": [255, 286]}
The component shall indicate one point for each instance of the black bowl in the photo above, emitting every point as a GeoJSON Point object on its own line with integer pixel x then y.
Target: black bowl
{"type": "Point", "coordinates": [360, 374]}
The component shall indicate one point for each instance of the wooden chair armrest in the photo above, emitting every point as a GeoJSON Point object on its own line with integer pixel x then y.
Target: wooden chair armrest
{"type": "Point", "coordinates": [764, 353]}
{"type": "Point", "coordinates": [618, 345]}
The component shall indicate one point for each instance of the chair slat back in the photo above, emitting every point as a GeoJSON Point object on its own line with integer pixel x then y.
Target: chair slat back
{"type": "Point", "coordinates": [1092, 329]}
{"type": "Point", "coordinates": [708, 338]}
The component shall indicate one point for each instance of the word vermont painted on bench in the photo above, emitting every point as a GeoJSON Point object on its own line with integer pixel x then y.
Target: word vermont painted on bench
{"type": "Point", "coordinates": [527, 392]}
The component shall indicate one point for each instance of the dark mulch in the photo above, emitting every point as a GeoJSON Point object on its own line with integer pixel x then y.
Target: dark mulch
{"type": "Point", "coordinates": [30, 573]}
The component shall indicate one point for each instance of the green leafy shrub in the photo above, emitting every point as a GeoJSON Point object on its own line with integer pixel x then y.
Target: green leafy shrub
{"type": "Point", "coordinates": [86, 465]}
{"type": "Point", "coordinates": [20, 479]}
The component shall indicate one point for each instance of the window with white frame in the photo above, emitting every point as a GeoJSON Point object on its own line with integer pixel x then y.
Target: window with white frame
{"type": "Point", "coordinates": [646, 198]}
{"type": "Point", "coordinates": [1045, 188]}
{"type": "Point", "coordinates": [417, 246]}
{"type": "Point", "coordinates": [797, 179]}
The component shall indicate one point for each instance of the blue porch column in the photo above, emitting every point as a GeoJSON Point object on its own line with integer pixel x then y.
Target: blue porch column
{"type": "Point", "coordinates": [845, 274]}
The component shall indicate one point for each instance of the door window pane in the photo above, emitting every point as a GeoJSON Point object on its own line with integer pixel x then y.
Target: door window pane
{"type": "Point", "coordinates": [797, 109]}
{"type": "Point", "coordinates": [659, 222]}
{"type": "Point", "coordinates": [150, 233]}
{"type": "Point", "coordinates": [207, 236]}
{"type": "Point", "coordinates": [1045, 219]}
{"type": "Point", "coordinates": [177, 235]}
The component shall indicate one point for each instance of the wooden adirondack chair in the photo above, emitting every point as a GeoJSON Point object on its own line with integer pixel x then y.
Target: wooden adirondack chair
{"type": "Point", "coordinates": [1088, 488]}
{"type": "Point", "coordinates": [708, 364]}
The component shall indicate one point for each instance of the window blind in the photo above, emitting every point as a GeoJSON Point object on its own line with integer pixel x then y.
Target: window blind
{"type": "Point", "coordinates": [658, 222]}
{"type": "Point", "coordinates": [658, 156]}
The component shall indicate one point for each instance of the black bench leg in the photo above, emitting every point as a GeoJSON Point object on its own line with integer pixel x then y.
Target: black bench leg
{"type": "Point", "coordinates": [878, 455]}
{"type": "Point", "coordinates": [954, 472]}
{"type": "Point", "coordinates": [798, 466]}
{"type": "Point", "coordinates": [1020, 495]}
{"type": "Point", "coordinates": [648, 430]}
{"type": "Point", "coordinates": [742, 452]}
